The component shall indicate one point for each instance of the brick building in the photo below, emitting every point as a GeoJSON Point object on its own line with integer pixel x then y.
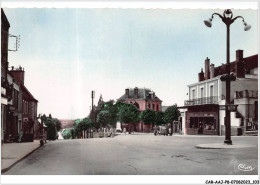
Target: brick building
{"type": "Point", "coordinates": [203, 109]}
{"type": "Point", "coordinates": [143, 99]}
{"type": "Point", "coordinates": [28, 103]}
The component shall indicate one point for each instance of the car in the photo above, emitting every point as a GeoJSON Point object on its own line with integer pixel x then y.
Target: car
{"type": "Point", "coordinates": [161, 130]}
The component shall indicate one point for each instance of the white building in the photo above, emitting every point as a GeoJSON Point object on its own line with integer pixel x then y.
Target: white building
{"type": "Point", "coordinates": [203, 114]}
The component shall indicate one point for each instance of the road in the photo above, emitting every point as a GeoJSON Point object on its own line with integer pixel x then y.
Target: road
{"type": "Point", "coordinates": [139, 155]}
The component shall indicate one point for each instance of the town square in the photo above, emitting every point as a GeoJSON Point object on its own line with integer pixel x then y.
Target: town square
{"type": "Point", "coordinates": [130, 91]}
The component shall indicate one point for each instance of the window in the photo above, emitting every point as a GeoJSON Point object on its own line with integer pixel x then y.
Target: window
{"type": "Point", "coordinates": [201, 92]}
{"type": "Point", "coordinates": [157, 107]}
{"type": "Point", "coordinates": [193, 94]}
{"type": "Point", "coordinates": [153, 106]}
{"type": "Point", "coordinates": [211, 91]}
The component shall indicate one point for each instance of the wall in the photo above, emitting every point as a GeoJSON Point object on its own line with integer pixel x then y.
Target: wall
{"type": "Point", "coordinates": [33, 110]}
{"type": "Point", "coordinates": [141, 103]}
{"type": "Point", "coordinates": [234, 120]}
{"type": "Point", "coordinates": [239, 85]}
{"type": "Point", "coordinates": [206, 85]}
{"type": "Point", "coordinates": [183, 117]}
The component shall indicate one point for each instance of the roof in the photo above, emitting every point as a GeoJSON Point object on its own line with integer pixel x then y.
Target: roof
{"type": "Point", "coordinates": [4, 20]}
{"type": "Point", "coordinates": [143, 94]}
{"type": "Point", "coordinates": [27, 93]}
{"type": "Point", "coordinates": [249, 63]}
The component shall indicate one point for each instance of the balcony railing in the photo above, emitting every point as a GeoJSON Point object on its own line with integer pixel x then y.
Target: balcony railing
{"type": "Point", "coordinates": [246, 94]}
{"type": "Point", "coordinates": [202, 101]}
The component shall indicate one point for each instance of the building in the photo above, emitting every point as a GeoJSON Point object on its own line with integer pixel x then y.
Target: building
{"type": "Point", "coordinates": [203, 113]}
{"type": "Point", "coordinates": [28, 104]}
{"type": "Point", "coordinates": [66, 123]}
{"type": "Point", "coordinates": [6, 90]}
{"type": "Point", "coordinates": [143, 99]}
{"type": "Point", "coordinates": [14, 109]}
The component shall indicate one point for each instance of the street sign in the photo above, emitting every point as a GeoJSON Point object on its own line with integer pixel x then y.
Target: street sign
{"type": "Point", "coordinates": [222, 107]}
{"type": "Point", "coordinates": [230, 107]}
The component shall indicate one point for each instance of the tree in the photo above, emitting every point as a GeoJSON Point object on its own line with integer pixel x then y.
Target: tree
{"type": "Point", "coordinates": [72, 132]}
{"type": "Point", "coordinates": [148, 116]}
{"type": "Point", "coordinates": [77, 127]}
{"type": "Point", "coordinates": [158, 118]}
{"type": "Point", "coordinates": [113, 112]}
{"type": "Point", "coordinates": [128, 114]}
{"type": "Point", "coordinates": [171, 114]}
{"type": "Point", "coordinates": [57, 124]}
{"type": "Point", "coordinates": [66, 134]}
{"type": "Point", "coordinates": [103, 118]}
{"type": "Point", "coordinates": [51, 128]}
{"type": "Point", "coordinates": [86, 124]}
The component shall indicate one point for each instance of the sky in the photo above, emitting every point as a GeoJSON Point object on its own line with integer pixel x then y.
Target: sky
{"type": "Point", "coordinates": [67, 53]}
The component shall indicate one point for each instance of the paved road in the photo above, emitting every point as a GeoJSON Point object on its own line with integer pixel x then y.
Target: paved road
{"type": "Point", "coordinates": [139, 154]}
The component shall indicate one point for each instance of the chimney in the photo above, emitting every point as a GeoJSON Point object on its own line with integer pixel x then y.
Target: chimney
{"type": "Point", "coordinates": [127, 93]}
{"type": "Point", "coordinates": [239, 55]}
{"type": "Point", "coordinates": [239, 66]}
{"type": "Point", "coordinates": [211, 70]}
{"type": "Point", "coordinates": [152, 94]}
{"type": "Point", "coordinates": [201, 75]}
{"type": "Point", "coordinates": [207, 68]}
{"type": "Point", "coordinates": [136, 92]}
{"type": "Point", "coordinates": [18, 75]}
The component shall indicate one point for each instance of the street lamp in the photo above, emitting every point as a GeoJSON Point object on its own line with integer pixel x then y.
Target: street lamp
{"type": "Point", "coordinates": [228, 19]}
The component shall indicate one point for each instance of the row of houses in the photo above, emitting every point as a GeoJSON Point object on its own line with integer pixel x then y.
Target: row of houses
{"type": "Point", "coordinates": [18, 105]}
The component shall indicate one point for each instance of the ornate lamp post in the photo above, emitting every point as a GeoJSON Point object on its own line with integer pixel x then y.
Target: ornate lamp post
{"type": "Point", "coordinates": [228, 19]}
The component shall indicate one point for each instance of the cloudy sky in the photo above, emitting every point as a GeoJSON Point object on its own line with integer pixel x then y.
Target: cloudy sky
{"type": "Point", "coordinates": [67, 53]}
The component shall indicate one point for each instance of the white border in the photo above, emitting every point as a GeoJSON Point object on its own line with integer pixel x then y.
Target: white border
{"type": "Point", "coordinates": [129, 179]}
{"type": "Point", "coordinates": [121, 179]}
{"type": "Point", "coordinates": [133, 4]}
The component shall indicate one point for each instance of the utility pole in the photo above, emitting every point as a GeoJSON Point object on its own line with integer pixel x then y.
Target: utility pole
{"type": "Point", "coordinates": [92, 97]}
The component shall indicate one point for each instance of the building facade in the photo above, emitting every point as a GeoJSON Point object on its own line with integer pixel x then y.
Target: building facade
{"type": "Point", "coordinates": [5, 87]}
{"type": "Point", "coordinates": [203, 113]}
{"type": "Point", "coordinates": [143, 99]}
{"type": "Point", "coordinates": [28, 105]}
{"type": "Point", "coordinates": [14, 114]}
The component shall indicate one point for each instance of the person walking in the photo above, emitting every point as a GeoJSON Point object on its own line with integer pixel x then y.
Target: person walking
{"type": "Point", "coordinates": [20, 136]}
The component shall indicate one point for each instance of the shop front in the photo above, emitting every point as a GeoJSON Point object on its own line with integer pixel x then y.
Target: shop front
{"type": "Point", "coordinates": [202, 120]}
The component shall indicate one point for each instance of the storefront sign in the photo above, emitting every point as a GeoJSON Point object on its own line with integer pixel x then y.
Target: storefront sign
{"type": "Point", "coordinates": [230, 107]}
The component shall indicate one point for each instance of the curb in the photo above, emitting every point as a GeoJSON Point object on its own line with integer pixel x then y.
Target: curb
{"type": "Point", "coordinates": [8, 168]}
{"type": "Point", "coordinates": [222, 146]}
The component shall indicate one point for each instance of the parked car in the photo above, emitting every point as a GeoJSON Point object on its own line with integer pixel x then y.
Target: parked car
{"type": "Point", "coordinates": [162, 130]}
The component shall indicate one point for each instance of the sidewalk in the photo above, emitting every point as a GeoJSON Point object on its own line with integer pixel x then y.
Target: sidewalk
{"type": "Point", "coordinates": [12, 153]}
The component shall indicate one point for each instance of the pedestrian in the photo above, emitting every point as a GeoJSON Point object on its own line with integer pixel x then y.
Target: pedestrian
{"type": "Point", "coordinates": [155, 130]}
{"type": "Point", "coordinates": [20, 136]}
